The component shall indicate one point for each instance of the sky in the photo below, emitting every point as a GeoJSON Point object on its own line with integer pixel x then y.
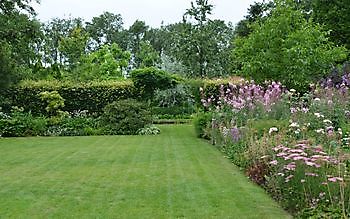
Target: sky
{"type": "Point", "coordinates": [153, 12]}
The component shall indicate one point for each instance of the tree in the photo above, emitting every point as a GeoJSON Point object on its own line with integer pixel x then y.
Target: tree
{"type": "Point", "coordinates": [7, 65]}
{"type": "Point", "coordinates": [19, 33]}
{"type": "Point", "coordinates": [257, 12]}
{"type": "Point", "coordinates": [54, 31]}
{"type": "Point", "coordinates": [335, 16]}
{"type": "Point", "coordinates": [105, 29]}
{"type": "Point", "coordinates": [137, 32]}
{"type": "Point", "coordinates": [146, 56]}
{"type": "Point", "coordinates": [73, 47]}
{"type": "Point", "coordinates": [286, 47]}
{"type": "Point", "coordinates": [10, 6]}
{"type": "Point", "coordinates": [106, 63]}
{"type": "Point", "coordinates": [199, 43]}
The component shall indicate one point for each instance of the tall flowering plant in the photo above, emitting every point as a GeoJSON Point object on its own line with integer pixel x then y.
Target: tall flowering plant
{"type": "Point", "coordinates": [306, 176]}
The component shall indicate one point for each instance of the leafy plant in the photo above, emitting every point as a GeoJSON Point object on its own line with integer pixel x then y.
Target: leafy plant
{"type": "Point", "coordinates": [298, 51]}
{"type": "Point", "coordinates": [125, 117]}
{"type": "Point", "coordinates": [149, 130]}
{"type": "Point", "coordinates": [202, 121]}
{"type": "Point", "coordinates": [54, 102]}
{"type": "Point", "coordinates": [148, 80]}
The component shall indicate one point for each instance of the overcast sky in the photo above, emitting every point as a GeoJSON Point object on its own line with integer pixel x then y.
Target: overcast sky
{"type": "Point", "coordinates": [153, 12]}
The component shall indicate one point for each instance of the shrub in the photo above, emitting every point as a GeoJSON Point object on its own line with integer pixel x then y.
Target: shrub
{"type": "Point", "coordinates": [202, 122]}
{"type": "Point", "coordinates": [54, 102]}
{"type": "Point", "coordinates": [125, 117]}
{"type": "Point", "coordinates": [147, 80]}
{"type": "Point", "coordinates": [20, 124]}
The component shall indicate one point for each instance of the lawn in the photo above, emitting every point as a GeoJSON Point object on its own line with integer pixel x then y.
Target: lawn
{"type": "Point", "coordinates": [172, 175]}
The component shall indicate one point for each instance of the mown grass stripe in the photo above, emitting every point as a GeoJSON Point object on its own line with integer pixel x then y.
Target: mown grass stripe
{"type": "Point", "coordinates": [173, 175]}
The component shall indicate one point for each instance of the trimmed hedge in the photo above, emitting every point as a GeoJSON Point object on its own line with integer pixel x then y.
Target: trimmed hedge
{"type": "Point", "coordinates": [92, 96]}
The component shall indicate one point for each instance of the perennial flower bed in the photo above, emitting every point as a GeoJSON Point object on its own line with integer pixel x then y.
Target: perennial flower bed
{"type": "Point", "coordinates": [294, 145]}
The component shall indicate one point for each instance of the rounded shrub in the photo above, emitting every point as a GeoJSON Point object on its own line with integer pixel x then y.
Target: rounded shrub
{"type": "Point", "coordinates": [148, 80]}
{"type": "Point", "coordinates": [125, 117]}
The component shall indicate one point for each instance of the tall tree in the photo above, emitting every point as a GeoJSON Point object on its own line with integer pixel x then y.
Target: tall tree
{"type": "Point", "coordinates": [257, 12]}
{"type": "Point", "coordinates": [146, 56]}
{"type": "Point", "coordinates": [199, 42]}
{"type": "Point", "coordinates": [54, 31]}
{"type": "Point", "coordinates": [335, 15]}
{"type": "Point", "coordinates": [18, 34]}
{"type": "Point", "coordinates": [73, 47]}
{"type": "Point", "coordinates": [104, 29]}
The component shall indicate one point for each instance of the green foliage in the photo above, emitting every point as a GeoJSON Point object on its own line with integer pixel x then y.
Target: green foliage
{"type": "Point", "coordinates": [105, 63]}
{"type": "Point", "coordinates": [202, 123]}
{"type": "Point", "coordinates": [257, 12]}
{"type": "Point", "coordinates": [19, 34]}
{"type": "Point", "coordinates": [335, 16]}
{"type": "Point", "coordinates": [125, 117]}
{"type": "Point", "coordinates": [149, 130]}
{"type": "Point", "coordinates": [148, 80]}
{"type": "Point", "coordinates": [288, 48]}
{"type": "Point", "coordinates": [262, 126]}
{"type": "Point", "coordinates": [93, 96]}
{"type": "Point", "coordinates": [54, 31]}
{"type": "Point", "coordinates": [54, 102]}
{"type": "Point", "coordinates": [20, 124]}
{"type": "Point", "coordinates": [202, 49]}
{"type": "Point", "coordinates": [73, 46]}
{"type": "Point", "coordinates": [105, 29]}
{"type": "Point", "coordinates": [146, 56]}
{"type": "Point", "coordinates": [7, 66]}
{"type": "Point", "coordinates": [177, 96]}
{"type": "Point", "coordinates": [137, 33]}
{"type": "Point", "coordinates": [10, 6]}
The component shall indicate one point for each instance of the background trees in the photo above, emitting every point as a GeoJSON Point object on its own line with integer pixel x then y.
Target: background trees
{"type": "Point", "coordinates": [19, 33]}
{"type": "Point", "coordinates": [275, 36]}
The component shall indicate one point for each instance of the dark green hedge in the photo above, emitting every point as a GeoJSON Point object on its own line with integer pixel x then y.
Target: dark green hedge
{"type": "Point", "coordinates": [92, 96]}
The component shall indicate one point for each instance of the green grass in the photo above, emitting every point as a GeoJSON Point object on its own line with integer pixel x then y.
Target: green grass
{"type": "Point", "coordinates": [172, 175]}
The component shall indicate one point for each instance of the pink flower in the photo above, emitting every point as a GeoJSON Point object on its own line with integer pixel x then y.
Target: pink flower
{"type": "Point", "coordinates": [282, 154]}
{"type": "Point", "coordinates": [311, 174]}
{"type": "Point", "coordinates": [288, 178]}
{"type": "Point", "coordinates": [312, 164]}
{"type": "Point", "coordinates": [296, 151]}
{"type": "Point", "coordinates": [335, 179]}
{"type": "Point", "coordinates": [274, 162]}
{"type": "Point", "coordinates": [298, 158]}
{"type": "Point", "coordinates": [290, 166]}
